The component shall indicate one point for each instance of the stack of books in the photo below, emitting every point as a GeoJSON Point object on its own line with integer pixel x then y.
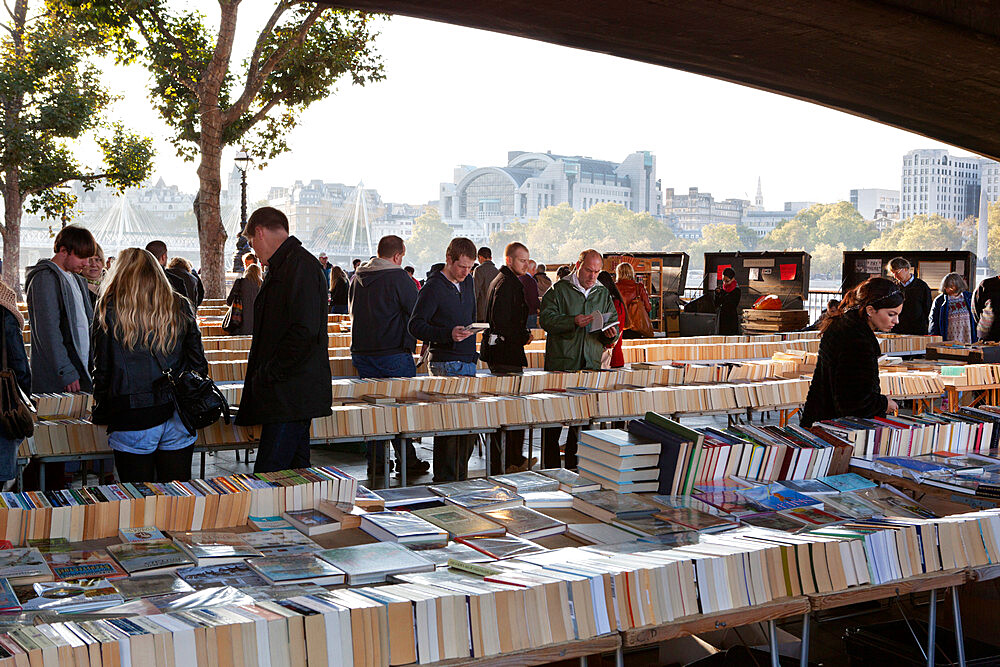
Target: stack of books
{"type": "Point", "coordinates": [619, 461]}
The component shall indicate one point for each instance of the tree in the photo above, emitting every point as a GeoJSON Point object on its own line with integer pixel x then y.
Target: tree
{"type": "Point", "coordinates": [921, 232]}
{"type": "Point", "coordinates": [828, 224]}
{"type": "Point", "coordinates": [51, 98]}
{"type": "Point", "coordinates": [301, 53]}
{"type": "Point", "coordinates": [429, 240]}
{"type": "Point", "coordinates": [827, 259]}
{"type": "Point", "coordinates": [715, 238]}
{"type": "Point", "coordinates": [793, 234]}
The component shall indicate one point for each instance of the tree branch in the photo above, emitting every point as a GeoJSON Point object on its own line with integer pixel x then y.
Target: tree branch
{"type": "Point", "coordinates": [78, 177]}
{"type": "Point", "coordinates": [265, 109]}
{"type": "Point", "coordinates": [186, 81]}
{"type": "Point", "coordinates": [254, 84]}
{"type": "Point", "coordinates": [262, 38]}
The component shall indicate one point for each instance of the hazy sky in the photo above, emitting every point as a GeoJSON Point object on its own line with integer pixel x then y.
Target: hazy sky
{"type": "Point", "coordinates": [460, 96]}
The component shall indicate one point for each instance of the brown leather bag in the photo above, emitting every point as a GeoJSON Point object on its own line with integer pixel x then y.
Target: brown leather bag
{"type": "Point", "coordinates": [638, 318]}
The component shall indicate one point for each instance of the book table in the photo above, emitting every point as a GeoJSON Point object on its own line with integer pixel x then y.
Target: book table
{"type": "Point", "coordinates": [989, 394]}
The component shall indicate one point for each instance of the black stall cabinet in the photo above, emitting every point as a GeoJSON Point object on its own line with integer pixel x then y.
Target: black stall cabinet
{"type": "Point", "coordinates": [785, 274]}
{"type": "Point", "coordinates": [929, 265]}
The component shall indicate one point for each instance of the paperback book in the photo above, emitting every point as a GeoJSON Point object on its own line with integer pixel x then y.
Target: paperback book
{"type": "Point", "coordinates": [208, 548]}
{"type": "Point", "coordinates": [295, 569]}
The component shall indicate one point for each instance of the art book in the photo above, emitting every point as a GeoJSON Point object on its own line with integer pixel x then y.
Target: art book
{"type": "Point", "coordinates": [297, 569]}
{"type": "Point", "coordinates": [774, 498]}
{"type": "Point", "coordinates": [152, 555]}
{"type": "Point", "coordinates": [141, 534]}
{"type": "Point", "coordinates": [70, 565]}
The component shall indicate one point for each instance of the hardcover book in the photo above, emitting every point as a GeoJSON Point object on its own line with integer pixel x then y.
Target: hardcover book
{"type": "Point", "coordinates": [23, 566]}
{"type": "Point", "coordinates": [151, 585]}
{"type": "Point", "coordinates": [695, 519]}
{"type": "Point", "coordinates": [372, 563]}
{"type": "Point", "coordinates": [570, 481]}
{"type": "Point", "coordinates": [502, 547]}
{"type": "Point", "coordinates": [312, 522]}
{"type": "Point", "coordinates": [774, 497]}
{"type": "Point", "coordinates": [281, 541]}
{"type": "Point", "coordinates": [773, 521]}
{"type": "Point", "coordinates": [459, 522]}
{"type": "Point", "coordinates": [462, 486]}
{"type": "Point", "coordinates": [69, 565]}
{"type": "Point", "coordinates": [526, 522]}
{"type": "Point", "coordinates": [238, 575]}
{"type": "Point", "coordinates": [84, 595]}
{"type": "Point", "coordinates": [152, 555]}
{"type": "Point", "coordinates": [405, 528]}
{"type": "Point", "coordinates": [264, 523]}
{"type": "Point", "coordinates": [208, 548]}
{"type": "Point", "coordinates": [495, 497]}
{"type": "Point", "coordinates": [528, 480]}
{"type": "Point", "coordinates": [298, 568]}
{"type": "Point", "coordinates": [607, 505]}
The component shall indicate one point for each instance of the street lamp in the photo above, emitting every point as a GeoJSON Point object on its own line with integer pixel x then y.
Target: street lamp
{"type": "Point", "coordinates": [243, 161]}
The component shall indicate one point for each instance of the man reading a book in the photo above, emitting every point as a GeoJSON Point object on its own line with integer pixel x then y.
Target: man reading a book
{"type": "Point", "coordinates": [567, 312]}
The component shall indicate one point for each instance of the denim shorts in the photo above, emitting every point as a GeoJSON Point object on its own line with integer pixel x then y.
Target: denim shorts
{"type": "Point", "coordinates": [452, 368]}
{"type": "Point", "coordinates": [169, 435]}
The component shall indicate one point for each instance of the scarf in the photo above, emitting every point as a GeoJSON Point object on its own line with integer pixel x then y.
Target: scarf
{"type": "Point", "coordinates": [9, 301]}
{"type": "Point", "coordinates": [730, 286]}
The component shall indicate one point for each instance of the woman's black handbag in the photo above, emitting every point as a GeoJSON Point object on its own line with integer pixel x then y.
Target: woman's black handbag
{"type": "Point", "coordinates": [16, 409]}
{"type": "Point", "coordinates": [234, 316]}
{"type": "Point", "coordinates": [198, 401]}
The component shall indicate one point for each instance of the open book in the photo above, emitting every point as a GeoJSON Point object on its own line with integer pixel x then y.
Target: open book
{"type": "Point", "coordinates": [602, 321]}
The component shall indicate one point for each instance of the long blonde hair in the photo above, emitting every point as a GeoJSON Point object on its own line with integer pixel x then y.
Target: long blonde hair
{"type": "Point", "coordinates": [146, 311]}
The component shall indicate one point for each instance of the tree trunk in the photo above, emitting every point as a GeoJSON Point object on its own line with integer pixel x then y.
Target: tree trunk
{"type": "Point", "coordinates": [11, 231]}
{"type": "Point", "coordinates": [211, 233]}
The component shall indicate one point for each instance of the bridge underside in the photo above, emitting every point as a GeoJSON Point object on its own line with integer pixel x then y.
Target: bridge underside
{"type": "Point", "coordinates": [927, 66]}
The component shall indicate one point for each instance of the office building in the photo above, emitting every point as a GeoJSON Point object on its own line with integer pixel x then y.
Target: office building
{"type": "Point", "coordinates": [873, 203]}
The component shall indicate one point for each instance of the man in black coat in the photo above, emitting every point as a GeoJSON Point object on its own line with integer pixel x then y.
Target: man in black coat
{"type": "Point", "coordinates": [988, 292]}
{"type": "Point", "coordinates": [916, 299]}
{"type": "Point", "coordinates": [288, 374]}
{"type": "Point", "coordinates": [503, 344]}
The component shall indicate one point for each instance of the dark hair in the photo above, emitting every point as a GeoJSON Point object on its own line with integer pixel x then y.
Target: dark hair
{"type": "Point", "coordinates": [729, 273]}
{"type": "Point", "coordinates": [389, 246]}
{"type": "Point", "coordinates": [833, 303]}
{"type": "Point", "coordinates": [460, 247]}
{"type": "Point", "coordinates": [563, 271]}
{"type": "Point", "coordinates": [157, 248]}
{"type": "Point", "coordinates": [511, 248]}
{"type": "Point", "coordinates": [336, 275]}
{"type": "Point", "coordinates": [485, 253]}
{"type": "Point", "coordinates": [355, 262]}
{"type": "Point", "coordinates": [897, 263]}
{"type": "Point", "coordinates": [540, 268]}
{"type": "Point", "coordinates": [437, 266]}
{"type": "Point", "coordinates": [266, 217]}
{"type": "Point", "coordinates": [410, 270]}
{"type": "Point", "coordinates": [877, 292]}
{"type": "Point", "coordinates": [77, 241]}
{"type": "Point", "coordinates": [608, 280]}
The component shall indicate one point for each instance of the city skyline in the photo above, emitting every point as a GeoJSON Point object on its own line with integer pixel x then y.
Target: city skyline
{"type": "Point", "coordinates": [407, 134]}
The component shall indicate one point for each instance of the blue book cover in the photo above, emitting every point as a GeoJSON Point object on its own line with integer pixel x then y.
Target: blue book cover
{"type": "Point", "coordinates": [849, 481]}
{"type": "Point", "coordinates": [911, 464]}
{"type": "Point", "coordinates": [807, 486]}
{"type": "Point", "coordinates": [7, 598]}
{"type": "Point", "coordinates": [774, 498]}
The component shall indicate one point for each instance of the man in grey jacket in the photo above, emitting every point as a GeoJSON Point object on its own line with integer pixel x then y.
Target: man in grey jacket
{"type": "Point", "coordinates": [60, 313]}
{"type": "Point", "coordinates": [482, 277]}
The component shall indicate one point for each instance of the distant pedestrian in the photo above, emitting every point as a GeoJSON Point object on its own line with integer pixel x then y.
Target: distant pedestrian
{"type": "Point", "coordinates": [483, 275]}
{"type": "Point", "coordinates": [288, 373]}
{"type": "Point", "coordinates": [354, 264]}
{"type": "Point", "coordinates": [916, 299]}
{"type": "Point", "coordinates": [951, 313]}
{"type": "Point", "coordinates": [17, 362]}
{"type": "Point", "coordinates": [543, 280]}
{"type": "Point", "coordinates": [531, 294]}
{"type": "Point", "coordinates": [613, 357]}
{"type": "Point", "coordinates": [563, 271]}
{"type": "Point", "coordinates": [411, 271]}
{"type": "Point", "coordinates": [245, 290]}
{"type": "Point", "coordinates": [381, 299]}
{"type": "Point", "coordinates": [159, 250]}
{"type": "Point", "coordinates": [445, 307]}
{"type": "Point", "coordinates": [503, 344]}
{"type": "Point", "coordinates": [327, 266]}
{"type": "Point", "coordinates": [142, 328]}
{"type": "Point", "coordinates": [727, 303]}
{"type": "Point", "coordinates": [338, 291]}
{"type": "Point", "coordinates": [180, 267]}
{"type": "Point", "coordinates": [93, 273]}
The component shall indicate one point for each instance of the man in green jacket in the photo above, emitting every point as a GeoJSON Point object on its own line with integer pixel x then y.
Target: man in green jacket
{"type": "Point", "coordinates": [566, 314]}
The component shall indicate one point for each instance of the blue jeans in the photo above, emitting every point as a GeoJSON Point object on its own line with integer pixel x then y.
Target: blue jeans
{"type": "Point", "coordinates": [8, 457]}
{"type": "Point", "coordinates": [532, 321]}
{"type": "Point", "coordinates": [168, 436]}
{"type": "Point", "coordinates": [283, 446]}
{"type": "Point", "coordinates": [452, 452]}
{"type": "Point", "coordinates": [388, 366]}
{"type": "Point", "coordinates": [339, 309]}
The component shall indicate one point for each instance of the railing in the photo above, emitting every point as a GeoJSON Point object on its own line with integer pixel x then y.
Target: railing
{"type": "Point", "coordinates": [815, 303]}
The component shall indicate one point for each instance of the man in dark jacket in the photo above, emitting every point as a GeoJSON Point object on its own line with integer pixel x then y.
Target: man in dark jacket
{"type": "Point", "coordinates": [483, 276]}
{"type": "Point", "coordinates": [531, 294]}
{"type": "Point", "coordinates": [916, 299]}
{"type": "Point", "coordinates": [288, 372]}
{"type": "Point", "coordinates": [158, 249]}
{"type": "Point", "coordinates": [446, 306]}
{"type": "Point", "coordinates": [381, 299]}
{"type": "Point", "coordinates": [503, 344]}
{"type": "Point", "coordinates": [988, 292]}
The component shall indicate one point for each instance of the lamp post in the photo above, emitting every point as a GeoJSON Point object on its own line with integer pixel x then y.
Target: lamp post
{"type": "Point", "coordinates": [243, 161]}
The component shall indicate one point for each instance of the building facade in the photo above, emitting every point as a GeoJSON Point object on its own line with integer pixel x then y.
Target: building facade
{"type": "Point", "coordinates": [481, 201]}
{"type": "Point", "coordinates": [690, 213]}
{"type": "Point", "coordinates": [874, 203]}
{"type": "Point", "coordinates": [935, 182]}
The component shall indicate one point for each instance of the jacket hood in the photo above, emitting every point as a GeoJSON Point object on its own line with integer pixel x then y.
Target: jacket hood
{"type": "Point", "coordinates": [43, 265]}
{"type": "Point", "coordinates": [374, 270]}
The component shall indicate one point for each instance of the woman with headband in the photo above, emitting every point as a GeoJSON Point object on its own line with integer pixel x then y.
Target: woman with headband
{"type": "Point", "coordinates": [845, 383]}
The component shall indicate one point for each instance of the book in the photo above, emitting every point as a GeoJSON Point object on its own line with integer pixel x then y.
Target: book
{"type": "Point", "coordinates": [729, 502]}
{"type": "Point", "coordinates": [618, 442]}
{"type": "Point", "coordinates": [457, 550]}
{"type": "Point", "coordinates": [807, 486]}
{"type": "Point", "coordinates": [598, 533]}
{"type": "Point", "coordinates": [848, 481]}
{"type": "Point", "coordinates": [606, 505]}
{"type": "Point", "coordinates": [774, 497]}
{"type": "Point", "coordinates": [347, 515]}
{"type": "Point", "coordinates": [569, 481]}
{"type": "Point", "coordinates": [84, 595]}
{"type": "Point", "coordinates": [461, 486]}
{"type": "Point", "coordinates": [24, 566]}
{"type": "Point", "coordinates": [526, 522]}
{"type": "Point", "coordinates": [503, 547]}
{"type": "Point", "coordinates": [151, 585]}
{"type": "Point", "coordinates": [238, 575]}
{"type": "Point", "coordinates": [649, 525]}
{"type": "Point", "coordinates": [70, 565]}
{"type": "Point", "coordinates": [409, 498]}
{"type": "Point", "coordinates": [9, 601]}
{"type": "Point", "coordinates": [405, 528]}
{"type": "Point", "coordinates": [368, 500]}
{"type": "Point", "coordinates": [694, 519]}
{"type": "Point", "coordinates": [152, 555]}
{"type": "Point", "coordinates": [140, 534]}
{"type": "Point", "coordinates": [459, 522]}
{"type": "Point", "coordinates": [211, 548]}
{"type": "Point", "coordinates": [521, 482]}
{"type": "Point", "coordinates": [50, 545]}
{"type": "Point", "coordinates": [814, 517]}
{"type": "Point", "coordinates": [547, 499]}
{"type": "Point", "coordinates": [773, 521]}
{"type": "Point", "coordinates": [312, 522]}
{"type": "Point", "coordinates": [280, 541]}
{"type": "Point", "coordinates": [495, 497]}
{"type": "Point", "coordinates": [265, 523]}
{"type": "Point", "coordinates": [297, 568]}
{"type": "Point", "coordinates": [373, 563]}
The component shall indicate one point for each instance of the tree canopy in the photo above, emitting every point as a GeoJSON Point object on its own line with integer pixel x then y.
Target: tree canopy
{"type": "Point", "coordinates": [822, 224]}
{"type": "Point", "coordinates": [925, 232]}
{"type": "Point", "coordinates": [429, 240]}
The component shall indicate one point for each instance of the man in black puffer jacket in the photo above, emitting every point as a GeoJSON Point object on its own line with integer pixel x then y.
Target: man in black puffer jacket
{"type": "Point", "coordinates": [288, 373]}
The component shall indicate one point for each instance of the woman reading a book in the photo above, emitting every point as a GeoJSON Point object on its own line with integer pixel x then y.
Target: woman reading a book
{"type": "Point", "coordinates": [845, 383]}
{"type": "Point", "coordinates": [142, 328]}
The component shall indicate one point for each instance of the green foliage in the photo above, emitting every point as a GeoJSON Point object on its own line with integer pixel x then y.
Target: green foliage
{"type": "Point", "coordinates": [429, 240]}
{"type": "Point", "coordinates": [921, 232]}
{"type": "Point", "coordinates": [827, 260]}
{"type": "Point", "coordinates": [822, 224]}
{"type": "Point", "coordinates": [51, 98]}
{"type": "Point", "coordinates": [715, 238]}
{"type": "Point", "coordinates": [560, 232]}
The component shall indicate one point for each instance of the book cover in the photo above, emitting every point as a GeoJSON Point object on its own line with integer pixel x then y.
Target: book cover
{"type": "Point", "coordinates": [848, 481]}
{"type": "Point", "coordinates": [570, 481]}
{"type": "Point", "coordinates": [526, 522]}
{"type": "Point", "coordinates": [503, 547]}
{"type": "Point", "coordinates": [141, 534]}
{"type": "Point", "coordinates": [22, 564]}
{"type": "Point", "coordinates": [695, 519]}
{"type": "Point", "coordinates": [69, 565]}
{"type": "Point", "coordinates": [458, 521]}
{"type": "Point", "coordinates": [370, 563]}
{"type": "Point", "coordinates": [606, 505]}
{"type": "Point", "coordinates": [151, 585]}
{"type": "Point", "coordinates": [773, 521]}
{"type": "Point", "coordinates": [50, 545]}
{"type": "Point", "coordinates": [85, 595]}
{"type": "Point", "coordinates": [774, 497]}
{"type": "Point", "coordinates": [650, 525]}
{"type": "Point", "coordinates": [209, 545]}
{"type": "Point", "coordinates": [9, 601]}
{"type": "Point", "coordinates": [238, 575]}
{"type": "Point", "coordinates": [312, 522]}
{"type": "Point", "coordinates": [814, 517]}
{"type": "Point", "coordinates": [280, 541]}
{"type": "Point", "coordinates": [403, 527]}
{"type": "Point", "coordinates": [495, 497]}
{"type": "Point", "coordinates": [461, 486]}
{"type": "Point", "coordinates": [455, 550]}
{"type": "Point", "coordinates": [152, 555]}
{"type": "Point", "coordinates": [297, 568]}
{"type": "Point", "coordinates": [265, 523]}
{"type": "Point", "coordinates": [807, 486]}
{"type": "Point", "coordinates": [528, 480]}
{"type": "Point", "coordinates": [729, 502]}
{"type": "Point", "coordinates": [549, 499]}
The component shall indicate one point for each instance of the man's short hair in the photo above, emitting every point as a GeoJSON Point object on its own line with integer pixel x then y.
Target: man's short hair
{"type": "Point", "coordinates": [460, 247]}
{"type": "Point", "coordinates": [355, 262]}
{"type": "Point", "coordinates": [563, 271]}
{"type": "Point", "coordinates": [897, 263]}
{"type": "Point", "coordinates": [410, 270]}
{"type": "Point", "coordinates": [266, 217]}
{"type": "Point", "coordinates": [77, 241]}
{"type": "Point", "coordinates": [486, 253]}
{"type": "Point", "coordinates": [541, 268]}
{"type": "Point", "coordinates": [512, 248]}
{"type": "Point", "coordinates": [590, 252]}
{"type": "Point", "coordinates": [390, 246]}
{"type": "Point", "coordinates": [157, 249]}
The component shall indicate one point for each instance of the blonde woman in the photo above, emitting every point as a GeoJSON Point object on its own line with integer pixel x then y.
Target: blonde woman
{"type": "Point", "coordinates": [93, 273]}
{"type": "Point", "coordinates": [141, 326]}
{"type": "Point", "coordinates": [631, 290]}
